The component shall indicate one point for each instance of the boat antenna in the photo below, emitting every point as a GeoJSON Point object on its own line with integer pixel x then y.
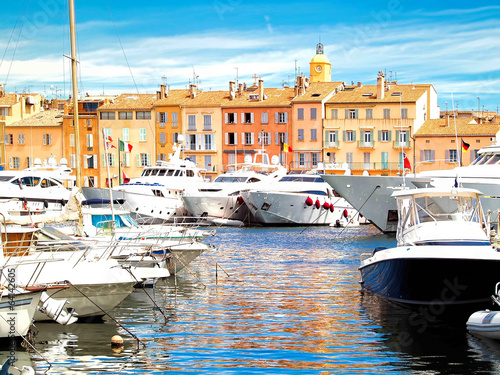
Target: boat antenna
{"type": "Point", "coordinates": [456, 133]}
{"type": "Point", "coordinates": [402, 143]}
{"type": "Point", "coordinates": [105, 140]}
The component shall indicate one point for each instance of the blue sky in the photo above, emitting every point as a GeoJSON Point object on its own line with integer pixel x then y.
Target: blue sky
{"type": "Point", "coordinates": [453, 45]}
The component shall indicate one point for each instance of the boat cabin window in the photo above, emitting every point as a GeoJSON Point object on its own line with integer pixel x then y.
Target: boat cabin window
{"type": "Point", "coordinates": [494, 159]}
{"type": "Point", "coordinates": [7, 178]}
{"type": "Point", "coordinates": [189, 173]}
{"type": "Point", "coordinates": [27, 181]}
{"type": "Point", "coordinates": [447, 208]}
{"type": "Point", "coordinates": [253, 179]}
{"type": "Point", "coordinates": [157, 193]}
{"type": "Point", "coordinates": [230, 179]}
{"type": "Point", "coordinates": [100, 221]}
{"type": "Point", "coordinates": [170, 172]}
{"type": "Point", "coordinates": [178, 173]}
{"type": "Point", "coordinates": [301, 179]}
{"type": "Point", "coordinates": [161, 172]}
{"type": "Point", "coordinates": [483, 159]}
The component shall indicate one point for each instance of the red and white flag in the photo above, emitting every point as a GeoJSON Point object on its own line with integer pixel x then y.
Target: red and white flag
{"type": "Point", "coordinates": [406, 162]}
{"type": "Point", "coordinates": [108, 143]}
{"type": "Point", "coordinates": [126, 179]}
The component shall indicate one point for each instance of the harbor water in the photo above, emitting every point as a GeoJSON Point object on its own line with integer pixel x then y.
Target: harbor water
{"type": "Point", "coordinates": [267, 301]}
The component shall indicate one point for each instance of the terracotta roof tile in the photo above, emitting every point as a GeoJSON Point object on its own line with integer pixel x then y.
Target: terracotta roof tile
{"type": "Point", "coordinates": [52, 117]}
{"type": "Point", "coordinates": [130, 101]}
{"type": "Point", "coordinates": [437, 127]}
{"type": "Point", "coordinates": [275, 97]}
{"type": "Point", "coordinates": [317, 91]}
{"type": "Point", "coordinates": [355, 94]}
{"type": "Point", "coordinates": [8, 99]}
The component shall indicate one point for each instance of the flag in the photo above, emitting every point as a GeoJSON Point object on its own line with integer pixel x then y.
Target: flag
{"type": "Point", "coordinates": [465, 146]}
{"type": "Point", "coordinates": [109, 145]}
{"type": "Point", "coordinates": [406, 162]}
{"type": "Point", "coordinates": [286, 148]}
{"type": "Point", "coordinates": [126, 179]}
{"type": "Point", "coordinates": [125, 146]}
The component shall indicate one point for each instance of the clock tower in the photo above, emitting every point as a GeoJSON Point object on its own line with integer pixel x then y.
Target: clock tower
{"type": "Point", "coordinates": [320, 69]}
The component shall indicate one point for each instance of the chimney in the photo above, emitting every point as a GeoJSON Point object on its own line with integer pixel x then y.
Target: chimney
{"type": "Point", "coordinates": [380, 85]}
{"type": "Point", "coordinates": [192, 88]}
{"type": "Point", "coordinates": [2, 91]}
{"type": "Point", "coordinates": [163, 91]}
{"type": "Point", "coordinates": [360, 84]}
{"type": "Point", "coordinates": [158, 95]}
{"type": "Point", "coordinates": [244, 86]}
{"type": "Point", "coordinates": [296, 90]}
{"type": "Point", "coordinates": [261, 90]}
{"type": "Point", "coordinates": [231, 90]}
{"type": "Point", "coordinates": [302, 85]}
{"type": "Point", "coordinates": [447, 116]}
{"type": "Point", "coordinates": [240, 89]}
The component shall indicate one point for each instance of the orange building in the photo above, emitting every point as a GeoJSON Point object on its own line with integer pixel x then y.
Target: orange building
{"type": "Point", "coordinates": [254, 118]}
{"type": "Point", "coordinates": [438, 142]}
{"type": "Point", "coordinates": [36, 136]}
{"type": "Point", "coordinates": [307, 121]}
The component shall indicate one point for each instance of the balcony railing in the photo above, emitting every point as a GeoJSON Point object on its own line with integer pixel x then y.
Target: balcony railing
{"type": "Point", "coordinates": [364, 144]}
{"type": "Point", "coordinates": [379, 123]}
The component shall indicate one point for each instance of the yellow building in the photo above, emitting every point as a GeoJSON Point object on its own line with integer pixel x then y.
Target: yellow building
{"type": "Point", "coordinates": [369, 127]}
{"type": "Point", "coordinates": [15, 107]}
{"type": "Point", "coordinates": [438, 143]}
{"type": "Point", "coordinates": [307, 121]}
{"type": "Point", "coordinates": [320, 69]}
{"type": "Point", "coordinates": [129, 118]}
{"type": "Point", "coordinates": [36, 136]}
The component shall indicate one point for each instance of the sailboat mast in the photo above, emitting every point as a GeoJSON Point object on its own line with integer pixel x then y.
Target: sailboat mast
{"type": "Point", "coordinates": [74, 79]}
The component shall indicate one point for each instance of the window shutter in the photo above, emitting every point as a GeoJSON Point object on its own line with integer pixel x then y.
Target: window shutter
{"type": "Point", "coordinates": [10, 163]}
{"type": "Point", "coordinates": [327, 138]}
{"type": "Point", "coordinates": [226, 117]}
{"type": "Point", "coordinates": [252, 117]}
{"type": "Point", "coordinates": [433, 155]}
{"type": "Point", "coordinates": [113, 160]}
{"type": "Point", "coordinates": [356, 113]}
{"type": "Point", "coordinates": [344, 135]}
{"type": "Point", "coordinates": [447, 157]}
{"type": "Point", "coordinates": [166, 116]}
{"type": "Point", "coordinates": [226, 135]}
{"type": "Point", "coordinates": [354, 135]}
{"type": "Point", "coordinates": [242, 118]}
{"type": "Point", "coordinates": [276, 138]}
{"type": "Point", "coordinates": [259, 136]}
{"type": "Point", "coordinates": [103, 160]}
{"type": "Point", "coordinates": [286, 138]}
{"type": "Point", "coordinates": [253, 138]}
{"type": "Point", "coordinates": [379, 135]}
{"type": "Point", "coordinates": [148, 159]}
{"type": "Point", "coordinates": [397, 138]}
{"type": "Point", "coordinates": [269, 138]}
{"type": "Point", "coordinates": [138, 159]}
{"type": "Point", "coordinates": [242, 138]}
{"type": "Point", "coordinates": [286, 117]}
{"type": "Point", "coordinates": [200, 142]}
{"type": "Point", "coordinates": [371, 137]}
{"type": "Point", "coordinates": [235, 139]}
{"type": "Point", "coordinates": [346, 113]}
{"type": "Point", "coordinates": [276, 117]}
{"type": "Point", "coordinates": [94, 161]}
{"type": "Point", "coordinates": [389, 135]}
{"type": "Point", "coordinates": [157, 116]}
{"type": "Point", "coordinates": [422, 155]}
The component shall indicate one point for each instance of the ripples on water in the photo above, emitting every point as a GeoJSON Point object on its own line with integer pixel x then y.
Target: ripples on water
{"type": "Point", "coordinates": [291, 304]}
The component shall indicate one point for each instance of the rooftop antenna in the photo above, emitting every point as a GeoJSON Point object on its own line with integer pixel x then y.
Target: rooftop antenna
{"type": "Point", "coordinates": [196, 79]}
{"type": "Point", "coordinates": [164, 80]}
{"type": "Point", "coordinates": [295, 68]}
{"type": "Point", "coordinates": [237, 76]}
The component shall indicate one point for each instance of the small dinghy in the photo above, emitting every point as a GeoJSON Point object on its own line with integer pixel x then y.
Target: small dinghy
{"type": "Point", "coordinates": [486, 322]}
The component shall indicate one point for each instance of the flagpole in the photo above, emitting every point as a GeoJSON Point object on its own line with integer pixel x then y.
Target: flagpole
{"type": "Point", "coordinates": [119, 164]}
{"type": "Point", "coordinates": [110, 180]}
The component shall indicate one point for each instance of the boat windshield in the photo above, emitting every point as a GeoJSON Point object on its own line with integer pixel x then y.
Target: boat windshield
{"type": "Point", "coordinates": [121, 221]}
{"type": "Point", "coordinates": [447, 208]}
{"type": "Point", "coordinates": [27, 181]}
{"type": "Point", "coordinates": [301, 179]}
{"type": "Point", "coordinates": [494, 159]}
{"type": "Point", "coordinates": [230, 179]}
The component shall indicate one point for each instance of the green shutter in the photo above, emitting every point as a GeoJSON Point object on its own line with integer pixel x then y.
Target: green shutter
{"type": "Point", "coordinates": [346, 113]}
{"type": "Point", "coordinates": [327, 138]}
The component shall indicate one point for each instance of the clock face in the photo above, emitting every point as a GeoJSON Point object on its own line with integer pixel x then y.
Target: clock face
{"type": "Point", "coordinates": [318, 68]}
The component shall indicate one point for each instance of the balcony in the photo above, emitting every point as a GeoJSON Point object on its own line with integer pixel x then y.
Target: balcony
{"type": "Point", "coordinates": [406, 145]}
{"type": "Point", "coordinates": [364, 144]}
{"type": "Point", "coordinates": [380, 123]}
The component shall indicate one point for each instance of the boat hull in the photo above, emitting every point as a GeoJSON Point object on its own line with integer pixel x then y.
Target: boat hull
{"type": "Point", "coordinates": [432, 281]}
{"type": "Point", "coordinates": [485, 323]}
{"type": "Point", "coordinates": [222, 207]}
{"type": "Point", "coordinates": [283, 208]}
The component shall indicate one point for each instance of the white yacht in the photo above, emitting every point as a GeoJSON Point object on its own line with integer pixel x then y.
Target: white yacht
{"type": "Point", "coordinates": [157, 193]}
{"type": "Point", "coordinates": [371, 195]}
{"type": "Point", "coordinates": [443, 254]}
{"type": "Point", "coordinates": [298, 199]}
{"type": "Point", "coordinates": [221, 200]}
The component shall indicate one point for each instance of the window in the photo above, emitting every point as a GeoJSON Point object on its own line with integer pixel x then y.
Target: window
{"type": "Point", "coordinates": [90, 161]}
{"type": "Point", "coordinates": [90, 107]}
{"type": "Point", "coordinates": [9, 139]}
{"type": "Point", "coordinates": [301, 135]}
{"type": "Point", "coordinates": [402, 137]}
{"type": "Point", "coordinates": [163, 117]}
{"type": "Point", "coordinates": [47, 139]}
{"type": "Point", "coordinates": [15, 162]}
{"type": "Point", "coordinates": [111, 160]}
{"type": "Point", "coordinates": [281, 117]}
{"type": "Point", "coordinates": [335, 114]}
{"type": "Point", "coordinates": [4, 111]}
{"type": "Point", "coordinates": [315, 159]}
{"type": "Point", "coordinates": [302, 159]}
{"type": "Point", "coordinates": [192, 142]}
{"type": "Point", "coordinates": [175, 137]}
{"type": "Point", "coordinates": [332, 137]}
{"type": "Point", "coordinates": [208, 162]}
{"type": "Point", "coordinates": [428, 156]}
{"type": "Point", "coordinates": [125, 115]}
{"type": "Point", "coordinates": [207, 122]}
{"type": "Point", "coordinates": [191, 122]}
{"type": "Point", "coordinates": [349, 136]}
{"type": "Point", "coordinates": [385, 136]}
{"type": "Point", "coordinates": [385, 160]}
{"type": "Point", "coordinates": [231, 118]}
{"type": "Point", "coordinates": [89, 124]}
{"type": "Point", "coordinates": [126, 159]}
{"type": "Point", "coordinates": [369, 113]}
{"type": "Point", "coordinates": [313, 113]}
{"type": "Point", "coordinates": [107, 132]}
{"type": "Point", "coordinates": [249, 138]}
{"type": "Point", "coordinates": [210, 142]}
{"type": "Point", "coordinates": [29, 162]}
{"type": "Point", "coordinates": [125, 134]}
{"type": "Point", "coordinates": [264, 118]}
{"type": "Point", "coordinates": [107, 115]}
{"type": "Point", "coordinates": [73, 160]}
{"type": "Point", "coordinates": [247, 118]}
{"type": "Point", "coordinates": [90, 141]}
{"type": "Point", "coordinates": [404, 112]}
{"type": "Point", "coordinates": [351, 114]}
{"type": "Point", "coordinates": [300, 113]}
{"type": "Point", "coordinates": [142, 135]}
{"type": "Point", "coordinates": [72, 141]}
{"type": "Point", "coordinates": [387, 113]}
{"type": "Point", "coordinates": [143, 115]}
{"type": "Point", "coordinates": [452, 156]}
{"type": "Point", "coordinates": [266, 137]}
{"type": "Point", "coordinates": [174, 119]}
{"type": "Point", "coordinates": [144, 160]}
{"type": "Point", "coordinates": [314, 136]}
{"type": "Point", "coordinates": [367, 137]}
{"type": "Point", "coordinates": [163, 138]}
{"type": "Point", "coordinates": [366, 160]}
{"type": "Point", "coordinates": [231, 139]}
